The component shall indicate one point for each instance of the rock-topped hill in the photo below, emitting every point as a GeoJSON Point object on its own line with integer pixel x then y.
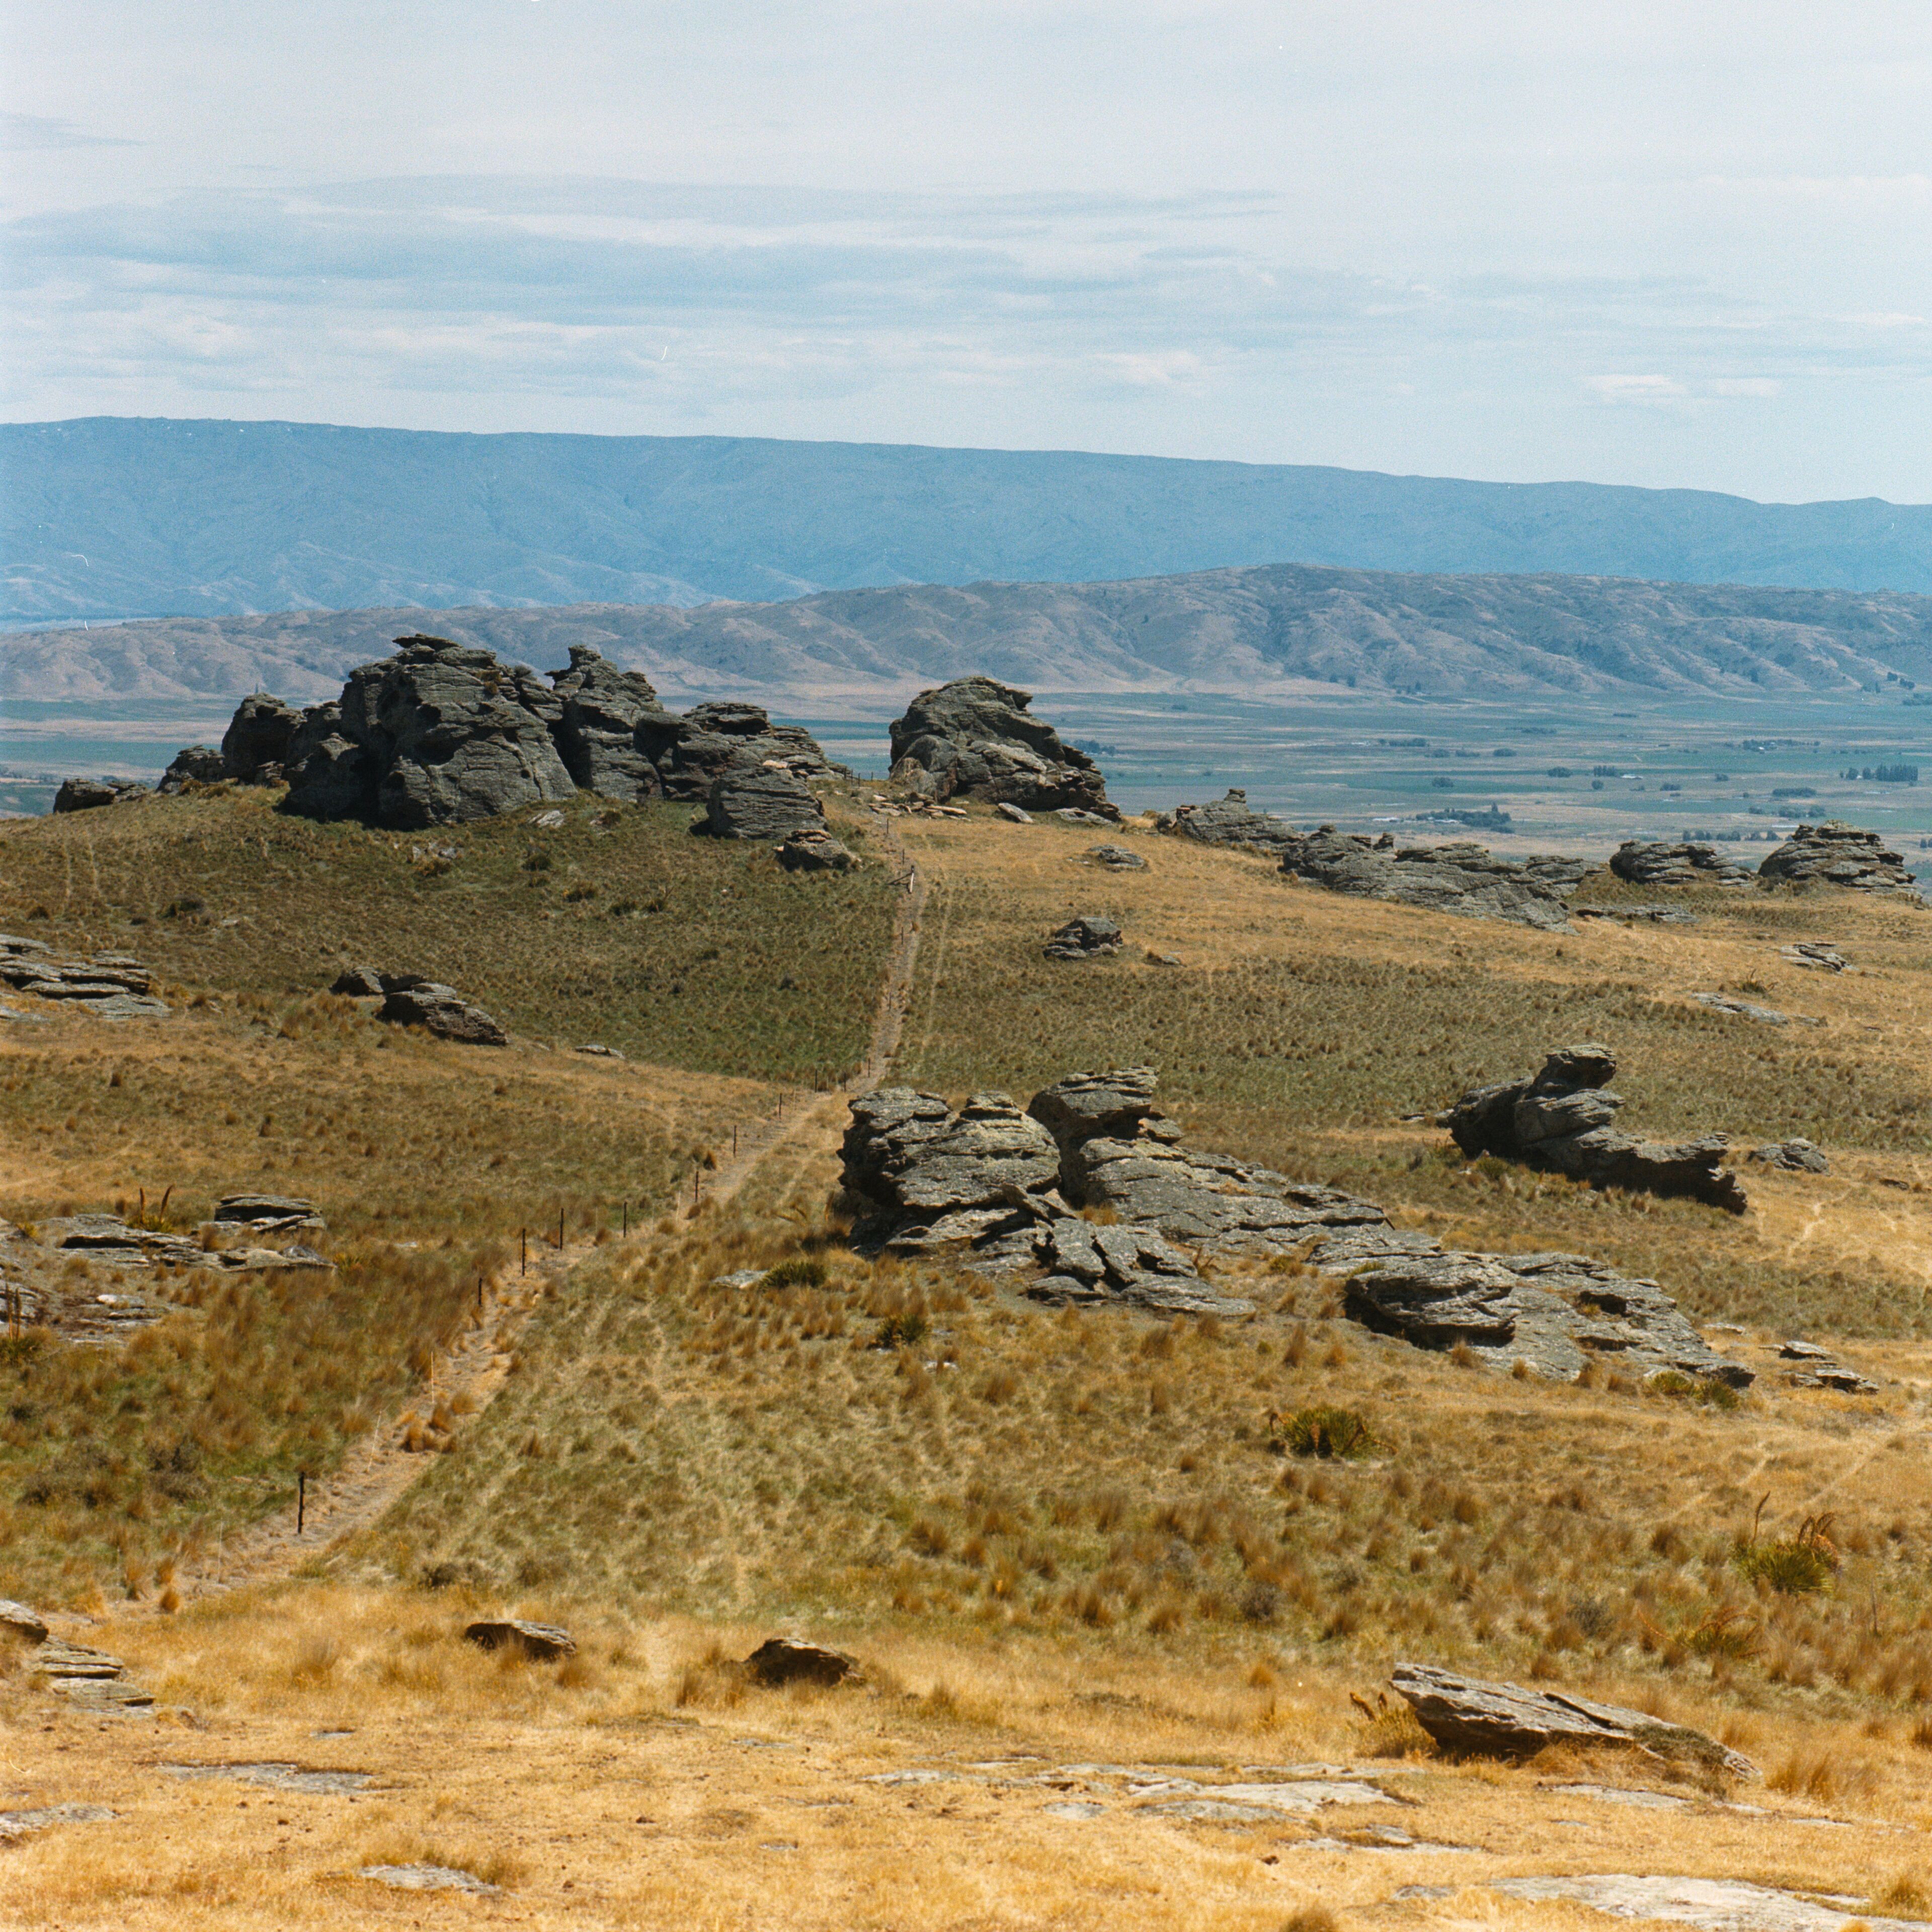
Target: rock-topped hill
{"type": "Point", "coordinates": [443, 732]}
{"type": "Point", "coordinates": [975, 739]}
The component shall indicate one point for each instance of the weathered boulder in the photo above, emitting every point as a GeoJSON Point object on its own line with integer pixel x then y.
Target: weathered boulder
{"type": "Point", "coordinates": [1230, 821]}
{"type": "Point", "coordinates": [256, 748]}
{"type": "Point", "coordinates": [1114, 858]}
{"type": "Point", "coordinates": [692, 751]}
{"type": "Point", "coordinates": [1012, 814]}
{"type": "Point", "coordinates": [1468, 880]}
{"type": "Point", "coordinates": [597, 734]}
{"type": "Point", "coordinates": [783, 1659]}
{"type": "Point", "coordinates": [276, 1209]}
{"type": "Point", "coordinates": [1794, 1156]}
{"type": "Point", "coordinates": [1743, 1009]}
{"type": "Point", "coordinates": [1466, 1713]}
{"type": "Point", "coordinates": [1815, 954]}
{"type": "Point", "coordinates": [813, 849]}
{"type": "Point", "coordinates": [358, 982]}
{"type": "Point", "coordinates": [975, 738]}
{"type": "Point", "coordinates": [1834, 853]}
{"type": "Point", "coordinates": [760, 802]}
{"type": "Point", "coordinates": [1653, 862]}
{"type": "Point", "coordinates": [202, 764]}
{"type": "Point", "coordinates": [90, 794]}
{"type": "Point", "coordinates": [409, 1000]}
{"type": "Point", "coordinates": [1559, 1120]}
{"type": "Point", "coordinates": [541, 1643]}
{"type": "Point", "coordinates": [1087, 937]}
{"type": "Point", "coordinates": [1554, 1313]}
{"type": "Point", "coordinates": [1083, 1106]}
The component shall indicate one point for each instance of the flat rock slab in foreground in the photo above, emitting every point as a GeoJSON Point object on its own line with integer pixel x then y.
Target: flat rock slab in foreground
{"type": "Point", "coordinates": [1505, 1720]}
{"type": "Point", "coordinates": [427, 1878]}
{"type": "Point", "coordinates": [541, 1643]}
{"type": "Point", "coordinates": [1715, 1904]}
{"type": "Point", "coordinates": [781, 1659]}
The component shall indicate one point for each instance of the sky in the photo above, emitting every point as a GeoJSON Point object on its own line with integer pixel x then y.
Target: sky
{"type": "Point", "coordinates": [1668, 244]}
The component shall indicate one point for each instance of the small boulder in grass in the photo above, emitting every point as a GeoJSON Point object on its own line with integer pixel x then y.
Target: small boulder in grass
{"type": "Point", "coordinates": [17, 1620]}
{"type": "Point", "coordinates": [781, 1659]}
{"type": "Point", "coordinates": [540, 1643]}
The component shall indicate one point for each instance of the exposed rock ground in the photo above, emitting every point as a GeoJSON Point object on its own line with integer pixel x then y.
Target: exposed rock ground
{"type": "Point", "coordinates": [411, 999]}
{"type": "Point", "coordinates": [1559, 1119]}
{"type": "Point", "coordinates": [110, 985]}
{"type": "Point", "coordinates": [1656, 863]}
{"type": "Point", "coordinates": [1835, 853]}
{"type": "Point", "coordinates": [443, 732]}
{"type": "Point", "coordinates": [975, 739]}
{"type": "Point", "coordinates": [1467, 880]}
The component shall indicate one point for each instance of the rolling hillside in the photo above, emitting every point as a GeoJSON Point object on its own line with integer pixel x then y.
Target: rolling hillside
{"type": "Point", "coordinates": [111, 517]}
{"type": "Point", "coordinates": [1253, 632]}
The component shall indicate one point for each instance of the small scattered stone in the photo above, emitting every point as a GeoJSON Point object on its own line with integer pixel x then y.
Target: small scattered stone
{"type": "Point", "coordinates": [1073, 1810]}
{"type": "Point", "coordinates": [540, 1643]}
{"type": "Point", "coordinates": [1114, 858]}
{"type": "Point", "coordinates": [1074, 814]}
{"type": "Point", "coordinates": [1724, 1003]}
{"type": "Point", "coordinates": [813, 849]}
{"type": "Point", "coordinates": [1087, 938]}
{"type": "Point", "coordinates": [1794, 1156]}
{"type": "Point", "coordinates": [1012, 813]}
{"type": "Point", "coordinates": [1154, 958]}
{"type": "Point", "coordinates": [598, 1052]}
{"type": "Point", "coordinates": [277, 1775]}
{"type": "Point", "coordinates": [1816, 955]}
{"type": "Point", "coordinates": [782, 1660]}
{"type": "Point", "coordinates": [547, 821]}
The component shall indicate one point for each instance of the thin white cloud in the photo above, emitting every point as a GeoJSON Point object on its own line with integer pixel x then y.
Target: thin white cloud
{"type": "Point", "coordinates": [32, 134]}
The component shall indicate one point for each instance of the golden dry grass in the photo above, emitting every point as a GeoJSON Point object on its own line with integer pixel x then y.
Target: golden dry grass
{"type": "Point", "coordinates": [641, 1785]}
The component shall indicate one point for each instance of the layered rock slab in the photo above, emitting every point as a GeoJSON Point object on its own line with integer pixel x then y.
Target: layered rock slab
{"type": "Point", "coordinates": [1653, 862]}
{"type": "Point", "coordinates": [1468, 880]}
{"type": "Point", "coordinates": [1834, 853]}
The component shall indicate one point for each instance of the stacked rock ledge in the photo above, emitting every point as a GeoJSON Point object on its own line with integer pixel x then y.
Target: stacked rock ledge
{"type": "Point", "coordinates": [975, 739]}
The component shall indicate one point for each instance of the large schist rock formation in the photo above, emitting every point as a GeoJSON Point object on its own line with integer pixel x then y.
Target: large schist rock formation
{"type": "Point", "coordinates": [444, 732]}
{"type": "Point", "coordinates": [1559, 1119]}
{"type": "Point", "coordinates": [975, 739]}
{"type": "Point", "coordinates": [1000, 1190]}
{"type": "Point", "coordinates": [1834, 853]}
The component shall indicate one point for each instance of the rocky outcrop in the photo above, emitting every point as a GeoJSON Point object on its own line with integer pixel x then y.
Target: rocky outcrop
{"type": "Point", "coordinates": [762, 802]}
{"type": "Point", "coordinates": [110, 985]}
{"type": "Point", "coordinates": [537, 1643]}
{"type": "Point", "coordinates": [779, 1661]}
{"type": "Point", "coordinates": [1655, 863]}
{"type": "Point", "coordinates": [596, 733]}
{"type": "Point", "coordinates": [257, 747]}
{"type": "Point", "coordinates": [1834, 853]}
{"type": "Point", "coordinates": [1469, 880]}
{"type": "Point", "coordinates": [443, 732]}
{"type": "Point", "coordinates": [90, 794]}
{"type": "Point", "coordinates": [975, 739]}
{"type": "Point", "coordinates": [1553, 1313]}
{"type": "Point", "coordinates": [1087, 937]}
{"type": "Point", "coordinates": [410, 1000]}
{"type": "Point", "coordinates": [1466, 1714]}
{"type": "Point", "coordinates": [1230, 821]}
{"type": "Point", "coordinates": [1559, 1120]}
{"type": "Point", "coordinates": [813, 849]}
{"type": "Point", "coordinates": [200, 764]}
{"type": "Point", "coordinates": [1005, 1188]}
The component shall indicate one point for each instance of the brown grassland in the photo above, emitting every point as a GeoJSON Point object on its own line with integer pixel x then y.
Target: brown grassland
{"type": "Point", "coordinates": [1055, 1539]}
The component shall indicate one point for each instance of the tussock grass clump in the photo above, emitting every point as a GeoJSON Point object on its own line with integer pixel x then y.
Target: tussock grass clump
{"type": "Point", "coordinates": [1327, 1432]}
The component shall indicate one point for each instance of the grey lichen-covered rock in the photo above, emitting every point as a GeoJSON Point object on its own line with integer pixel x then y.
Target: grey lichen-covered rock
{"type": "Point", "coordinates": [692, 751]}
{"type": "Point", "coordinates": [766, 802]}
{"type": "Point", "coordinates": [1653, 862]}
{"type": "Point", "coordinates": [1084, 1104]}
{"type": "Point", "coordinates": [1467, 1714]}
{"type": "Point", "coordinates": [256, 748]}
{"type": "Point", "coordinates": [90, 794]}
{"type": "Point", "coordinates": [1794, 1156]}
{"type": "Point", "coordinates": [201, 764]}
{"type": "Point", "coordinates": [409, 1000]}
{"type": "Point", "coordinates": [1089, 937]}
{"type": "Point", "coordinates": [1559, 1119]}
{"type": "Point", "coordinates": [783, 1659]}
{"type": "Point", "coordinates": [1113, 859]}
{"type": "Point", "coordinates": [813, 849]}
{"type": "Point", "coordinates": [909, 1155]}
{"type": "Point", "coordinates": [1554, 1313]}
{"type": "Point", "coordinates": [1467, 880]}
{"type": "Point", "coordinates": [1230, 821]}
{"type": "Point", "coordinates": [541, 1643]}
{"type": "Point", "coordinates": [597, 733]}
{"type": "Point", "coordinates": [975, 738]}
{"type": "Point", "coordinates": [1834, 853]}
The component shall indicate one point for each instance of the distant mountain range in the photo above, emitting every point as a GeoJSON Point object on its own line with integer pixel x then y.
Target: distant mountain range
{"type": "Point", "coordinates": [1269, 632]}
{"type": "Point", "coordinates": [111, 517]}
